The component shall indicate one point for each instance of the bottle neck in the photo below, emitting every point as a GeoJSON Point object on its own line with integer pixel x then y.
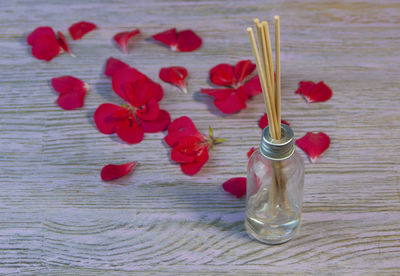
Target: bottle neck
{"type": "Point", "coordinates": [277, 150]}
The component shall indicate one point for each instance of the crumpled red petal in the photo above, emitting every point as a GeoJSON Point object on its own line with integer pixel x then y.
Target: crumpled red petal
{"type": "Point", "coordinates": [232, 104]}
{"type": "Point", "coordinates": [108, 116]}
{"type": "Point", "coordinates": [79, 29]}
{"type": "Point", "coordinates": [314, 144]}
{"type": "Point", "coordinates": [122, 39]}
{"type": "Point", "coordinates": [114, 65]}
{"type": "Point", "coordinates": [150, 111]}
{"type": "Point", "coordinates": [251, 88]}
{"type": "Point", "coordinates": [250, 152]}
{"type": "Point", "coordinates": [223, 74]}
{"type": "Point", "coordinates": [184, 151]}
{"type": "Point", "coordinates": [72, 92]}
{"type": "Point", "coordinates": [194, 167]}
{"type": "Point", "coordinates": [184, 41]}
{"type": "Point", "coordinates": [180, 127]}
{"type": "Point", "coordinates": [63, 42]}
{"type": "Point", "coordinates": [312, 92]}
{"type": "Point", "coordinates": [188, 41]}
{"type": "Point", "coordinates": [175, 75]}
{"type": "Point", "coordinates": [219, 94]}
{"type": "Point", "coordinates": [263, 122]}
{"type": "Point", "coordinates": [243, 69]}
{"type": "Point", "coordinates": [235, 186]}
{"type": "Point", "coordinates": [168, 37]}
{"type": "Point", "coordinates": [111, 171]}
{"type": "Point", "coordinates": [160, 123]}
{"type": "Point", "coordinates": [130, 131]}
{"type": "Point", "coordinates": [45, 45]}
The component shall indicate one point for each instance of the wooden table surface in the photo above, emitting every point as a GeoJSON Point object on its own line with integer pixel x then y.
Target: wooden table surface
{"type": "Point", "coordinates": [57, 216]}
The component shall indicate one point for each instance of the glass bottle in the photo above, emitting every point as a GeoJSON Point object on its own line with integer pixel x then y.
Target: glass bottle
{"type": "Point", "coordinates": [275, 183]}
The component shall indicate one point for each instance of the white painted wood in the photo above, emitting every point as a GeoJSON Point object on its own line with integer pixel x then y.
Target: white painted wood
{"type": "Point", "coordinates": [56, 215]}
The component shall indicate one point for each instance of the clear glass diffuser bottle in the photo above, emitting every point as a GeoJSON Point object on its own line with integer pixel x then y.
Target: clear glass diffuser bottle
{"type": "Point", "coordinates": [275, 182]}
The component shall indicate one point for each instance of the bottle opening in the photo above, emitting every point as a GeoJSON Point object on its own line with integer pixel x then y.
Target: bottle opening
{"type": "Point", "coordinates": [277, 149]}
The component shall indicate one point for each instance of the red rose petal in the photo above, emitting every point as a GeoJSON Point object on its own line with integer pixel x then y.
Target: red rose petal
{"type": "Point", "coordinates": [219, 94]}
{"type": "Point", "coordinates": [122, 81]}
{"type": "Point", "coordinates": [314, 144]}
{"type": "Point", "coordinates": [63, 43]}
{"type": "Point", "coordinates": [251, 87]}
{"type": "Point", "coordinates": [114, 65]}
{"type": "Point", "coordinates": [263, 122]}
{"type": "Point", "coordinates": [160, 123]}
{"type": "Point", "coordinates": [45, 45]}
{"type": "Point", "coordinates": [122, 38]}
{"type": "Point", "coordinates": [175, 75]}
{"type": "Point", "coordinates": [243, 69]}
{"type": "Point", "coordinates": [223, 74]}
{"type": "Point", "coordinates": [180, 127]}
{"type": "Point", "coordinates": [72, 92]}
{"type": "Point", "coordinates": [235, 186]}
{"type": "Point", "coordinates": [250, 152]}
{"type": "Point", "coordinates": [319, 92]}
{"type": "Point", "coordinates": [231, 104]}
{"type": "Point", "coordinates": [168, 37]}
{"type": "Point", "coordinates": [130, 131]}
{"type": "Point", "coordinates": [108, 116]}
{"type": "Point", "coordinates": [195, 167]}
{"type": "Point", "coordinates": [79, 29]}
{"type": "Point", "coordinates": [111, 171]}
{"type": "Point", "coordinates": [188, 41]}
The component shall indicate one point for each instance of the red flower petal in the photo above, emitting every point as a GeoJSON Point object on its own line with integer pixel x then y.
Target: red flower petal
{"type": "Point", "coordinates": [114, 65]}
{"type": "Point", "coordinates": [130, 131]}
{"type": "Point", "coordinates": [168, 37]}
{"type": "Point", "coordinates": [66, 84]}
{"type": "Point", "coordinates": [314, 144]}
{"type": "Point", "coordinates": [39, 33]}
{"type": "Point", "coordinates": [235, 186]}
{"type": "Point", "coordinates": [250, 152]}
{"type": "Point", "coordinates": [180, 127]}
{"type": "Point", "coordinates": [219, 94]}
{"type": "Point", "coordinates": [63, 42]}
{"type": "Point", "coordinates": [195, 167]}
{"type": "Point", "coordinates": [223, 74]}
{"type": "Point", "coordinates": [74, 99]}
{"type": "Point", "coordinates": [45, 45]}
{"type": "Point", "coordinates": [160, 123]}
{"type": "Point", "coordinates": [312, 92]}
{"type": "Point", "coordinates": [243, 69]}
{"type": "Point", "coordinates": [175, 75]}
{"type": "Point", "coordinates": [139, 93]}
{"type": "Point", "coordinates": [111, 171]}
{"type": "Point", "coordinates": [72, 92]}
{"type": "Point", "coordinates": [79, 29]}
{"type": "Point", "coordinates": [157, 91]}
{"type": "Point", "coordinates": [122, 81]}
{"type": "Point", "coordinates": [108, 116]}
{"type": "Point", "coordinates": [263, 122]}
{"type": "Point", "coordinates": [251, 87]}
{"type": "Point", "coordinates": [231, 104]}
{"type": "Point", "coordinates": [122, 38]}
{"type": "Point", "coordinates": [188, 41]}
{"type": "Point", "coordinates": [149, 111]}
{"type": "Point", "coordinates": [186, 150]}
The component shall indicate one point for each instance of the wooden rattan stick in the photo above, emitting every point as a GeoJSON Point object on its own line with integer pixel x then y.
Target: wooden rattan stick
{"type": "Point", "coordinates": [278, 73]}
{"type": "Point", "coordinates": [262, 76]}
{"type": "Point", "coordinates": [269, 54]}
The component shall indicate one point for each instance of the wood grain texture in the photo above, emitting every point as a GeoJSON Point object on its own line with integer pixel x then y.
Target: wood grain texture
{"type": "Point", "coordinates": [56, 215]}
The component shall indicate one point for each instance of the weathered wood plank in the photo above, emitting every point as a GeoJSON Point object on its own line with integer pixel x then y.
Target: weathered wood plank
{"type": "Point", "coordinates": [56, 215]}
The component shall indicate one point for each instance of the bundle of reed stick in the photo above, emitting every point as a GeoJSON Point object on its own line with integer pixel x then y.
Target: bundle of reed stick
{"type": "Point", "coordinates": [271, 87]}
